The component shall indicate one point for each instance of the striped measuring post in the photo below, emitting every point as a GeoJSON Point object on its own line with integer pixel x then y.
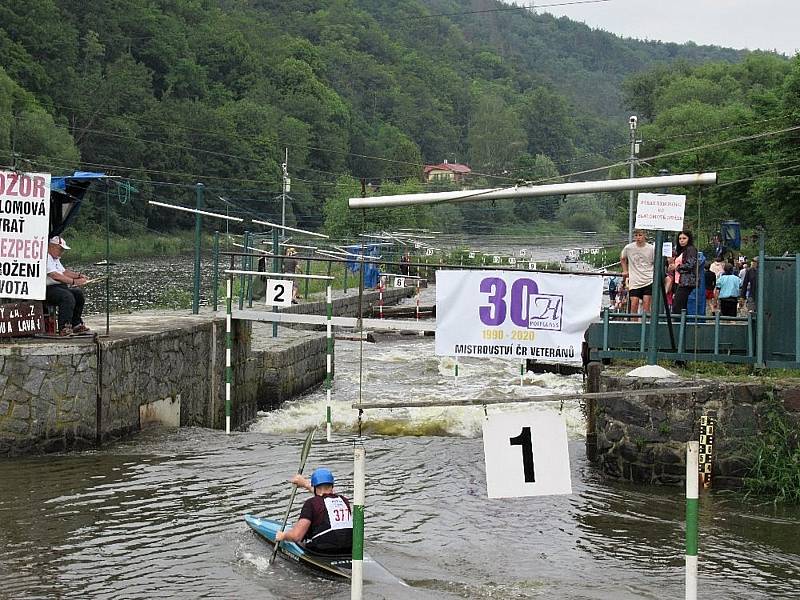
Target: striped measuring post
{"type": "Point", "coordinates": [228, 349]}
{"type": "Point", "coordinates": [359, 487]}
{"type": "Point", "coordinates": [692, 501]}
{"type": "Point", "coordinates": [706, 448]}
{"type": "Point", "coordinates": [380, 297]}
{"type": "Point", "coordinates": [328, 361]}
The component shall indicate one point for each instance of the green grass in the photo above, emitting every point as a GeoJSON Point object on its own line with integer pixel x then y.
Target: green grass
{"type": "Point", "coordinates": [775, 453]}
{"type": "Point", "coordinates": [86, 247]}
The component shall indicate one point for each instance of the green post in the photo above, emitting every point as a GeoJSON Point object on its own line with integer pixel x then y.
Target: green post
{"type": "Point", "coordinates": [359, 493]}
{"type": "Point", "coordinates": [797, 307]}
{"type": "Point", "coordinates": [308, 272]}
{"type": "Point", "coordinates": [108, 263]}
{"type": "Point", "coordinates": [215, 275]}
{"type": "Point", "coordinates": [655, 302]}
{"type": "Point", "coordinates": [760, 324]}
{"type": "Point", "coordinates": [198, 222]}
{"type": "Point", "coordinates": [243, 267]}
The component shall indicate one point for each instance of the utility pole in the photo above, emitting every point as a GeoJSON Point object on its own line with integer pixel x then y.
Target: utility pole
{"type": "Point", "coordinates": [632, 121]}
{"type": "Point", "coordinates": [287, 186]}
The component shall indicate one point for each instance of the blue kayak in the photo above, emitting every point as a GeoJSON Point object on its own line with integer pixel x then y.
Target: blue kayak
{"type": "Point", "coordinates": [338, 565]}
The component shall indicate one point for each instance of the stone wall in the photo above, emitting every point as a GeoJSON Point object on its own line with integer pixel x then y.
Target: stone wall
{"type": "Point", "coordinates": [643, 438]}
{"type": "Point", "coordinates": [48, 397]}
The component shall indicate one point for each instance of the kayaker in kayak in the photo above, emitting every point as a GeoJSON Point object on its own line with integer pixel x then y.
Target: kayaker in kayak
{"type": "Point", "coordinates": [326, 521]}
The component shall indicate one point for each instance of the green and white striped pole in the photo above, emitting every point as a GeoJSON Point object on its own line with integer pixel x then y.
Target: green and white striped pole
{"type": "Point", "coordinates": [359, 486]}
{"type": "Point", "coordinates": [328, 362]}
{"type": "Point", "coordinates": [228, 349]}
{"type": "Point", "coordinates": [692, 470]}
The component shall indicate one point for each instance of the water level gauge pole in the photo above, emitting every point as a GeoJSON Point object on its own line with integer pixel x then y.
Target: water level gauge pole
{"type": "Point", "coordinates": [328, 360]}
{"type": "Point", "coordinates": [692, 469]}
{"type": "Point", "coordinates": [359, 486]}
{"type": "Point", "coordinates": [198, 222]}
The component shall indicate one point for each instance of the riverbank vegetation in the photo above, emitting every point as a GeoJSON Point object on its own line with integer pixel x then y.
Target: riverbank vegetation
{"type": "Point", "coordinates": [361, 95]}
{"type": "Point", "coordinates": [775, 455]}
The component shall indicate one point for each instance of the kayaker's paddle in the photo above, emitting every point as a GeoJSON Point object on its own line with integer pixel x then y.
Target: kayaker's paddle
{"type": "Point", "coordinates": [303, 457]}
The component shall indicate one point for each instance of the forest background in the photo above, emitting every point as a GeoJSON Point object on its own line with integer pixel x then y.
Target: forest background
{"type": "Point", "coordinates": [364, 93]}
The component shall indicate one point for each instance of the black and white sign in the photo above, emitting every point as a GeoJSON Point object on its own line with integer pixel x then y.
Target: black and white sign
{"type": "Point", "coordinates": [279, 292]}
{"type": "Point", "coordinates": [399, 282]}
{"type": "Point", "coordinates": [526, 454]}
{"type": "Point", "coordinates": [512, 260]}
{"type": "Point", "coordinates": [429, 252]}
{"type": "Point", "coordinates": [523, 252]}
{"type": "Point", "coordinates": [24, 227]}
{"type": "Point", "coordinates": [660, 211]}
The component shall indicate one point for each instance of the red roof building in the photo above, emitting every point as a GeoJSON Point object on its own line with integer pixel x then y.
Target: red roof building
{"type": "Point", "coordinates": [446, 171]}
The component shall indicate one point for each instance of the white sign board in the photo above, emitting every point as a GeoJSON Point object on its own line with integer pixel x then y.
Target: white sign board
{"type": "Point", "coordinates": [399, 282]}
{"type": "Point", "coordinates": [662, 212]}
{"type": "Point", "coordinates": [429, 252]}
{"type": "Point", "coordinates": [472, 255]}
{"type": "Point", "coordinates": [496, 260]}
{"type": "Point", "coordinates": [666, 249]}
{"type": "Point", "coordinates": [24, 229]}
{"type": "Point", "coordinates": [512, 260]}
{"type": "Point", "coordinates": [526, 454]}
{"type": "Point", "coordinates": [279, 292]}
{"type": "Point", "coordinates": [516, 314]}
{"type": "Point", "coordinates": [523, 252]}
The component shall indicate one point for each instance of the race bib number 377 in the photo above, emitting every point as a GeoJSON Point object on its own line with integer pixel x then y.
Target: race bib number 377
{"type": "Point", "coordinates": [338, 513]}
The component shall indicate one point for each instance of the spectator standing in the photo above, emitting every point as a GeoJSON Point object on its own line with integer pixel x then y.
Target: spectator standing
{"type": "Point", "coordinates": [711, 284]}
{"type": "Point", "coordinates": [726, 293]}
{"type": "Point", "coordinates": [637, 268]}
{"type": "Point", "coordinates": [405, 267]}
{"type": "Point", "coordinates": [750, 286]}
{"type": "Point", "coordinates": [291, 265]}
{"type": "Point", "coordinates": [612, 291]}
{"type": "Point", "coordinates": [685, 270]}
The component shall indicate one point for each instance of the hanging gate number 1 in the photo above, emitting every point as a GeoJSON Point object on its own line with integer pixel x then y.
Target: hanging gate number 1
{"type": "Point", "coordinates": [511, 440]}
{"type": "Point", "coordinates": [524, 440]}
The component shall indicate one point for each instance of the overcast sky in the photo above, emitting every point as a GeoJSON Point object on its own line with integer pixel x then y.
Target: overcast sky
{"type": "Point", "coordinates": [751, 24]}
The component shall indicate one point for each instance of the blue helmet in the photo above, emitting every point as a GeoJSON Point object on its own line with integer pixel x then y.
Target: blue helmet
{"type": "Point", "coordinates": [321, 476]}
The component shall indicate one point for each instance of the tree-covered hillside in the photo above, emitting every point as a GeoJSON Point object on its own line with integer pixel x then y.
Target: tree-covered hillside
{"type": "Point", "coordinates": [166, 92]}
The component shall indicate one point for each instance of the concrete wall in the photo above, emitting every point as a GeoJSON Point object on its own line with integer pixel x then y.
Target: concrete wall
{"type": "Point", "coordinates": [56, 396]}
{"type": "Point", "coordinates": [643, 438]}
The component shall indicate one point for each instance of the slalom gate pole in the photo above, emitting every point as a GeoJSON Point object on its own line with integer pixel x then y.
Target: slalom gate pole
{"type": "Point", "coordinates": [328, 362]}
{"type": "Point", "coordinates": [359, 485]}
{"type": "Point", "coordinates": [455, 374]}
{"type": "Point", "coordinates": [692, 464]}
{"type": "Point", "coordinates": [228, 350]}
{"type": "Point", "coordinates": [522, 373]}
{"type": "Point", "coordinates": [380, 298]}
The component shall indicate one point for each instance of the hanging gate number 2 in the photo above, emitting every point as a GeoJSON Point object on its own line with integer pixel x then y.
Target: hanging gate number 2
{"type": "Point", "coordinates": [524, 440]}
{"type": "Point", "coordinates": [279, 292]}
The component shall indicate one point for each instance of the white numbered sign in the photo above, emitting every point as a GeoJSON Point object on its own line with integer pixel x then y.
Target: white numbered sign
{"type": "Point", "coordinates": [416, 246]}
{"type": "Point", "coordinates": [532, 266]}
{"type": "Point", "coordinates": [526, 454]}
{"type": "Point", "coordinates": [472, 255]}
{"type": "Point", "coordinates": [399, 282]}
{"type": "Point", "coordinates": [512, 260]}
{"type": "Point", "coordinates": [429, 252]}
{"type": "Point", "coordinates": [523, 252]}
{"type": "Point", "coordinates": [279, 292]}
{"type": "Point", "coordinates": [496, 260]}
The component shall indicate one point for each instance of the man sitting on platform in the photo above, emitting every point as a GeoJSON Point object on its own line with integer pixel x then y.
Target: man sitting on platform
{"type": "Point", "coordinates": [63, 290]}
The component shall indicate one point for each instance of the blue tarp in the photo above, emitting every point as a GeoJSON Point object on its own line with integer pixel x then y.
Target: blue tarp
{"type": "Point", "coordinates": [372, 273]}
{"type": "Point", "coordinates": [66, 195]}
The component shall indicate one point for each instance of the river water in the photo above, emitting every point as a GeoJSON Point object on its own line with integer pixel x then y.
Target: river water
{"type": "Point", "coordinates": [160, 515]}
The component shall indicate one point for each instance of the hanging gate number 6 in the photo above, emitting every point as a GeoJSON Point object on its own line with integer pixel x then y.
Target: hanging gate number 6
{"type": "Point", "coordinates": [524, 440]}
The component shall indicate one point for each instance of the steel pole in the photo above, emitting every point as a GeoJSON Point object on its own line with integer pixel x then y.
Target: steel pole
{"type": "Point", "coordinates": [198, 222]}
{"type": "Point", "coordinates": [534, 191]}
